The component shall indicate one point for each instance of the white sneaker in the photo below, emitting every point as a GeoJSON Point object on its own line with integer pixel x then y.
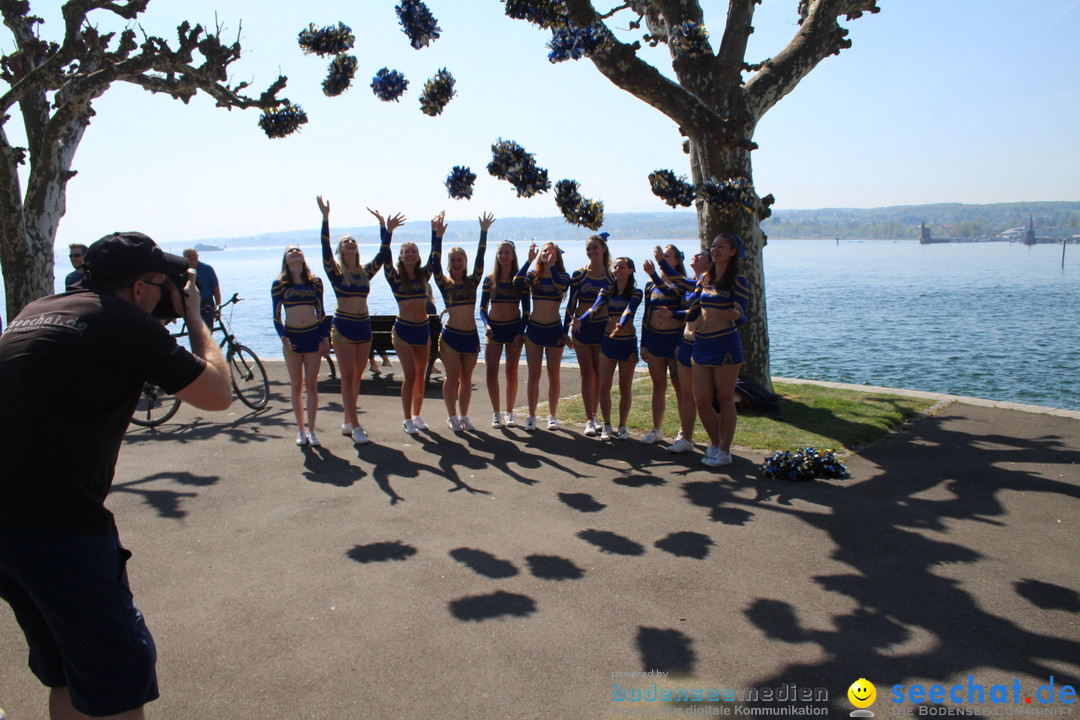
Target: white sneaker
{"type": "Point", "coordinates": [712, 458]}
{"type": "Point", "coordinates": [409, 426]}
{"type": "Point", "coordinates": [359, 436]}
{"type": "Point", "coordinates": [301, 438]}
{"type": "Point", "coordinates": [453, 423]}
{"type": "Point", "coordinates": [496, 419]}
{"type": "Point", "coordinates": [313, 439]}
{"type": "Point", "coordinates": [605, 434]}
{"type": "Point", "coordinates": [622, 433]}
{"type": "Point", "coordinates": [419, 422]}
{"type": "Point", "coordinates": [722, 458]}
{"type": "Point", "coordinates": [530, 423]}
{"type": "Point", "coordinates": [509, 420]}
{"type": "Point", "coordinates": [346, 429]}
{"type": "Point", "coordinates": [466, 423]}
{"type": "Point", "coordinates": [681, 445]}
{"type": "Point", "coordinates": [553, 424]}
{"type": "Point", "coordinates": [655, 435]}
{"type": "Point", "coordinates": [590, 428]}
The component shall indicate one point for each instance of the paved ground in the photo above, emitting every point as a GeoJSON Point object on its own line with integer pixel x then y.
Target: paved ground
{"type": "Point", "coordinates": [498, 574]}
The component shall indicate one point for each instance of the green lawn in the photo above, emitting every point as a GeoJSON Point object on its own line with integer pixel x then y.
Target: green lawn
{"type": "Point", "coordinates": [814, 416]}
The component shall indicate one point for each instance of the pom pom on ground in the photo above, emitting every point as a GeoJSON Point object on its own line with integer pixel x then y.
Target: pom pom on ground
{"type": "Point", "coordinates": [340, 75]}
{"type": "Point", "coordinates": [283, 120]}
{"type": "Point", "coordinates": [459, 183]}
{"type": "Point", "coordinates": [803, 465]}
{"type": "Point", "coordinates": [389, 85]}
{"type": "Point", "coordinates": [329, 40]}
{"type": "Point", "coordinates": [418, 23]}
{"type": "Point", "coordinates": [438, 91]}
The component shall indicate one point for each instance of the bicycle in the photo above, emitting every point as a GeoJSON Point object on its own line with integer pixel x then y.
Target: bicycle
{"type": "Point", "coordinates": [246, 372]}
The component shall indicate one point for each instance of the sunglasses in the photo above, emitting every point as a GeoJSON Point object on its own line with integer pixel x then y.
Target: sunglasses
{"type": "Point", "coordinates": [75, 255]}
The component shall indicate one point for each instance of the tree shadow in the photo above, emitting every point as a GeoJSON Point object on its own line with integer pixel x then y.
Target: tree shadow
{"type": "Point", "coordinates": [492, 605]}
{"type": "Point", "coordinates": [381, 552]}
{"type": "Point", "coordinates": [895, 529]}
{"type": "Point", "coordinates": [484, 563]}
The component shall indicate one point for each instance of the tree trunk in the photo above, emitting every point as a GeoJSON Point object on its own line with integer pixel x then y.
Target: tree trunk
{"type": "Point", "coordinates": [713, 157]}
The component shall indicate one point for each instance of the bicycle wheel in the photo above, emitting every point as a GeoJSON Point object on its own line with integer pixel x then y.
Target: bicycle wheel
{"type": "Point", "coordinates": [155, 406]}
{"type": "Point", "coordinates": [248, 377]}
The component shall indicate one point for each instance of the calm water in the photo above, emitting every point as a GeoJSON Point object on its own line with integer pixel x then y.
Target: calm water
{"type": "Point", "coordinates": [991, 320]}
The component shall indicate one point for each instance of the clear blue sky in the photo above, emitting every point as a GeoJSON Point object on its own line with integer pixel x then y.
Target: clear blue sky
{"type": "Point", "coordinates": [972, 101]}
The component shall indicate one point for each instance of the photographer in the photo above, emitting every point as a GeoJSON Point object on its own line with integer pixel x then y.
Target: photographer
{"type": "Point", "coordinates": [71, 369]}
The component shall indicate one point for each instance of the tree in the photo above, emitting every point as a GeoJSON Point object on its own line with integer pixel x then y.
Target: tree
{"type": "Point", "coordinates": [715, 103]}
{"type": "Point", "coordinates": [55, 85]}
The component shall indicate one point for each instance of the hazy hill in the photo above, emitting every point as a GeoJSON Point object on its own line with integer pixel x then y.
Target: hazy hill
{"type": "Point", "coordinates": [895, 223]}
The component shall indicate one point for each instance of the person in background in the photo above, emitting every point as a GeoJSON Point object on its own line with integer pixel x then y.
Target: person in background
{"type": "Point", "coordinates": [459, 341]}
{"type": "Point", "coordinates": [77, 255]}
{"type": "Point", "coordinates": [545, 334]}
{"type": "Point", "coordinates": [586, 284]}
{"type": "Point", "coordinates": [62, 567]}
{"type": "Point", "coordinates": [618, 347]}
{"type": "Point", "coordinates": [209, 289]}
{"type": "Point", "coordinates": [719, 306]}
{"type": "Point", "coordinates": [500, 298]}
{"type": "Point", "coordinates": [351, 326]}
{"type": "Point", "coordinates": [305, 335]}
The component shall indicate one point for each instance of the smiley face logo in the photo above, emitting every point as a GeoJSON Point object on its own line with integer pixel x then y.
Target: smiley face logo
{"type": "Point", "coordinates": [862, 693]}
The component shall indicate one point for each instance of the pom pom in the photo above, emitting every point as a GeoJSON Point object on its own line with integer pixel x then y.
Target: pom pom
{"type": "Point", "coordinates": [510, 162]}
{"type": "Point", "coordinates": [730, 195]}
{"type": "Point", "coordinates": [459, 183]}
{"type": "Point", "coordinates": [418, 23]}
{"type": "Point", "coordinates": [690, 40]}
{"type": "Point", "coordinates": [804, 464]}
{"type": "Point", "coordinates": [671, 189]}
{"type": "Point", "coordinates": [284, 120]}
{"type": "Point", "coordinates": [437, 93]}
{"type": "Point", "coordinates": [573, 43]}
{"type": "Point", "coordinates": [340, 75]}
{"type": "Point", "coordinates": [576, 209]}
{"type": "Point", "coordinates": [389, 85]}
{"type": "Point", "coordinates": [545, 13]}
{"type": "Point", "coordinates": [329, 40]}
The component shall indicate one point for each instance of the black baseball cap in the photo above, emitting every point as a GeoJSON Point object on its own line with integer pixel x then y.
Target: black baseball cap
{"type": "Point", "coordinates": [124, 255]}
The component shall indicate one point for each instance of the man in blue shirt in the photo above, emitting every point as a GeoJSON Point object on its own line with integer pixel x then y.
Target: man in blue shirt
{"type": "Point", "coordinates": [209, 290]}
{"type": "Point", "coordinates": [76, 253]}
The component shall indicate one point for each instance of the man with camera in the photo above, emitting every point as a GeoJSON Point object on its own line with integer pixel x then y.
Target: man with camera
{"type": "Point", "coordinates": [71, 370]}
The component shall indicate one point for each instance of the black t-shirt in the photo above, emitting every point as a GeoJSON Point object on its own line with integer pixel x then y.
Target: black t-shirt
{"type": "Point", "coordinates": [72, 367]}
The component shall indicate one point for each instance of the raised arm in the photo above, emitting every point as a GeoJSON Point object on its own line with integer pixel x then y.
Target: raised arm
{"type": "Point", "coordinates": [481, 247]}
{"type": "Point", "coordinates": [327, 253]}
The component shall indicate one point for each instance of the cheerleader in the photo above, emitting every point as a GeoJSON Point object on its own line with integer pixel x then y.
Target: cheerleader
{"type": "Point", "coordinates": [618, 345]}
{"type": "Point", "coordinates": [304, 333]}
{"type": "Point", "coordinates": [586, 284]}
{"type": "Point", "coordinates": [720, 302]}
{"type": "Point", "coordinates": [351, 326]}
{"type": "Point", "coordinates": [545, 333]}
{"type": "Point", "coordinates": [504, 309]}
{"type": "Point", "coordinates": [660, 333]}
{"type": "Point", "coordinates": [459, 342]}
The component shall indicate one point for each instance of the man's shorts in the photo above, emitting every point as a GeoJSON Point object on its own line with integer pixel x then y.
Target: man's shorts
{"type": "Point", "coordinates": [70, 596]}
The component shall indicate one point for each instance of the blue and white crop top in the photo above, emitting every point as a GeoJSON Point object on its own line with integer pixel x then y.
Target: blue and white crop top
{"type": "Point", "coordinates": [462, 293]}
{"type": "Point", "coordinates": [617, 304]}
{"type": "Point", "coordinates": [585, 289]}
{"type": "Point", "coordinates": [709, 296]}
{"type": "Point", "coordinates": [361, 284]}
{"type": "Point", "coordinates": [511, 293]}
{"type": "Point", "coordinates": [287, 296]}
{"type": "Point", "coordinates": [547, 288]}
{"type": "Point", "coordinates": [405, 288]}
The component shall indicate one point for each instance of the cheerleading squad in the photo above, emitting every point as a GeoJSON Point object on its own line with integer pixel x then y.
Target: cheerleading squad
{"type": "Point", "coordinates": [689, 330]}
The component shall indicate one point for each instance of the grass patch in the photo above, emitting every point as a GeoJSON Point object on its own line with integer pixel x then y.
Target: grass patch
{"type": "Point", "coordinates": [814, 416]}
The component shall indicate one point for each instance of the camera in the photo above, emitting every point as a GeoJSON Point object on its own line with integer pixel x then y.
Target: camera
{"type": "Point", "coordinates": [165, 310]}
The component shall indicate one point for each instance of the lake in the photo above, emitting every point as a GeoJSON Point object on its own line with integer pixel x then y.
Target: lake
{"type": "Point", "coordinates": [992, 320]}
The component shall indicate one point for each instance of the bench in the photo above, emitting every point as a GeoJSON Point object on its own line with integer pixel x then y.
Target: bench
{"type": "Point", "coordinates": [382, 327]}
